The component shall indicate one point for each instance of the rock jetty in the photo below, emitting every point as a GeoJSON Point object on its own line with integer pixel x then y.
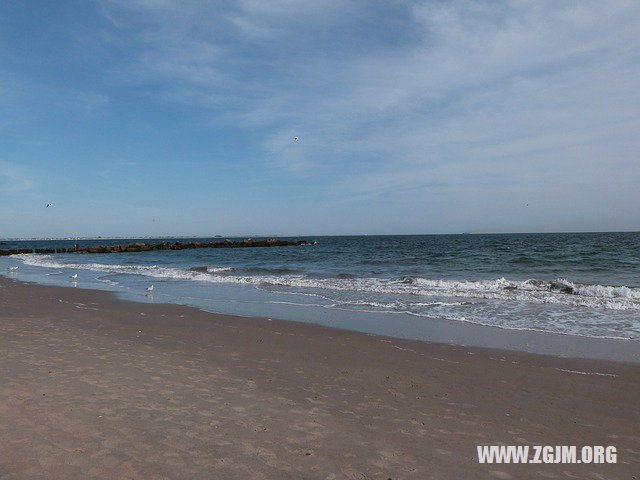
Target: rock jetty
{"type": "Point", "coordinates": [145, 247]}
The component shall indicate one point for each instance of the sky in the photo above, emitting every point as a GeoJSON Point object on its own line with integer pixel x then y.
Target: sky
{"type": "Point", "coordinates": [311, 117]}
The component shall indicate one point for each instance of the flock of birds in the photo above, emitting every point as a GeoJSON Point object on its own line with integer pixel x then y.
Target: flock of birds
{"type": "Point", "coordinates": [74, 279]}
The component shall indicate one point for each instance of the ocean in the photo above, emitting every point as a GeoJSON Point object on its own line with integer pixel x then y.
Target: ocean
{"type": "Point", "coordinates": [580, 284]}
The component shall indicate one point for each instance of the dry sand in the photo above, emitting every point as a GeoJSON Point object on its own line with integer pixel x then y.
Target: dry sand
{"type": "Point", "coordinates": [94, 387]}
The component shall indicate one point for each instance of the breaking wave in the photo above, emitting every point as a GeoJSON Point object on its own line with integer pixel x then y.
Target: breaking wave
{"type": "Point", "coordinates": [559, 291]}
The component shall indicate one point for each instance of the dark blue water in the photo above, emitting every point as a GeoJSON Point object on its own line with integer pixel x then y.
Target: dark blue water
{"type": "Point", "coordinates": [574, 283]}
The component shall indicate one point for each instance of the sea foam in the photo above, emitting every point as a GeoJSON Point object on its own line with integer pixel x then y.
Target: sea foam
{"type": "Point", "coordinates": [558, 291]}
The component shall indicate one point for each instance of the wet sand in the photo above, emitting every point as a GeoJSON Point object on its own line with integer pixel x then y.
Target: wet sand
{"type": "Point", "coordinates": [95, 387]}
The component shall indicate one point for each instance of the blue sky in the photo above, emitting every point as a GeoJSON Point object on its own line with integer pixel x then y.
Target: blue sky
{"type": "Point", "coordinates": [155, 117]}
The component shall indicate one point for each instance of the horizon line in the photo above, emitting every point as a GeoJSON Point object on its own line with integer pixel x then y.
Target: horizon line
{"type": "Point", "coordinates": [134, 237]}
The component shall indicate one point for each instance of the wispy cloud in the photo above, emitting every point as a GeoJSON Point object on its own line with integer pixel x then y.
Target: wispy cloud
{"type": "Point", "coordinates": [449, 94]}
{"type": "Point", "coordinates": [455, 111]}
{"type": "Point", "coordinates": [483, 87]}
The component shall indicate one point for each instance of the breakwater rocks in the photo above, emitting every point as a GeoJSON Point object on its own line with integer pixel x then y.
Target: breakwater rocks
{"type": "Point", "coordinates": [145, 247]}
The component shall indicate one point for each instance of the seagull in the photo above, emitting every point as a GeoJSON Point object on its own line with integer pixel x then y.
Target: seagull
{"type": "Point", "coordinates": [48, 205]}
{"type": "Point", "coordinates": [150, 289]}
{"type": "Point", "coordinates": [13, 269]}
{"type": "Point", "coordinates": [74, 276]}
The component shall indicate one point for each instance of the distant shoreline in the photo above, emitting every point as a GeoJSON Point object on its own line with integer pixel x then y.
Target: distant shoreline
{"type": "Point", "coordinates": [160, 237]}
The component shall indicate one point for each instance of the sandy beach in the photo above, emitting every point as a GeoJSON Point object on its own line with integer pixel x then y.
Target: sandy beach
{"type": "Point", "coordinates": [95, 387]}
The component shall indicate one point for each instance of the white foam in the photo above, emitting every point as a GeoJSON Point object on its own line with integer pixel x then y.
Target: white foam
{"type": "Point", "coordinates": [587, 373]}
{"type": "Point", "coordinates": [219, 269]}
{"type": "Point", "coordinates": [560, 291]}
{"type": "Point", "coordinates": [569, 308]}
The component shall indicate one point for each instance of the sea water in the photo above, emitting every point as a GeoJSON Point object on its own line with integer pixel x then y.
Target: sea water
{"type": "Point", "coordinates": [582, 284]}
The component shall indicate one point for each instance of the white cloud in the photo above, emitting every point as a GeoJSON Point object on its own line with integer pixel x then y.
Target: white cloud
{"type": "Point", "coordinates": [509, 91]}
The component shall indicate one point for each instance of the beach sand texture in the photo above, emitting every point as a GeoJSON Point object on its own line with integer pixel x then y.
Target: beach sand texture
{"type": "Point", "coordinates": [95, 387]}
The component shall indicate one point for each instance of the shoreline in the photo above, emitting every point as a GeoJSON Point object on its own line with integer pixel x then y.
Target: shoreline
{"type": "Point", "coordinates": [96, 387]}
{"type": "Point", "coordinates": [408, 327]}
